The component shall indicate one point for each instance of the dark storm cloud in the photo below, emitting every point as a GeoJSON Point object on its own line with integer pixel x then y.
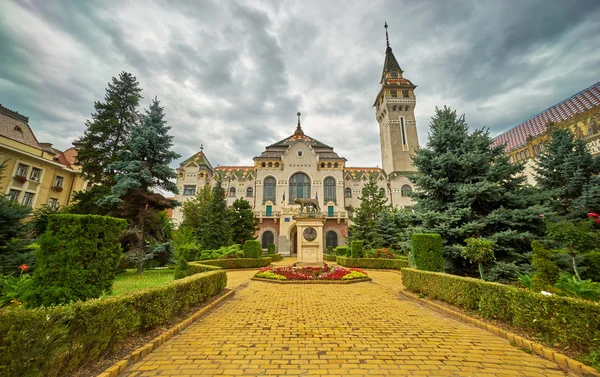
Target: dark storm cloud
{"type": "Point", "coordinates": [232, 75]}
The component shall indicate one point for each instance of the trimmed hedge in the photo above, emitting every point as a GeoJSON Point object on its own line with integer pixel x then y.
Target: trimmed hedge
{"type": "Point", "coordinates": [341, 250]}
{"type": "Point", "coordinates": [329, 257]}
{"type": "Point", "coordinates": [252, 249]}
{"type": "Point", "coordinates": [375, 263]}
{"type": "Point", "coordinates": [275, 257]}
{"type": "Point", "coordinates": [271, 249]}
{"type": "Point", "coordinates": [197, 268]}
{"type": "Point", "coordinates": [235, 263]}
{"type": "Point", "coordinates": [77, 259]}
{"type": "Point", "coordinates": [554, 320]}
{"type": "Point", "coordinates": [356, 248]}
{"type": "Point", "coordinates": [428, 251]}
{"type": "Point", "coordinates": [59, 339]}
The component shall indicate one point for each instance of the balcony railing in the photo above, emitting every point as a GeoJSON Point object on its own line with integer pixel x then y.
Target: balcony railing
{"type": "Point", "coordinates": [293, 212]}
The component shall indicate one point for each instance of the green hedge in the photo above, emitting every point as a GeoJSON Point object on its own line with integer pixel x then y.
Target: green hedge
{"type": "Point", "coordinates": [341, 250]}
{"type": "Point", "coordinates": [77, 259]}
{"type": "Point", "coordinates": [329, 257]}
{"type": "Point", "coordinates": [375, 263]}
{"type": "Point", "coordinates": [428, 251]}
{"type": "Point", "coordinates": [270, 249]}
{"type": "Point", "coordinates": [554, 320]}
{"type": "Point", "coordinates": [197, 268]}
{"type": "Point", "coordinates": [356, 249]}
{"type": "Point", "coordinates": [235, 263]}
{"type": "Point", "coordinates": [275, 257]}
{"type": "Point", "coordinates": [52, 341]}
{"type": "Point", "coordinates": [252, 249]}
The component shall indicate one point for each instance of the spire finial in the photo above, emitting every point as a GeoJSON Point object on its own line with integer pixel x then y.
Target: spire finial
{"type": "Point", "coordinates": [387, 38]}
{"type": "Point", "coordinates": [201, 148]}
{"type": "Point", "coordinates": [299, 128]}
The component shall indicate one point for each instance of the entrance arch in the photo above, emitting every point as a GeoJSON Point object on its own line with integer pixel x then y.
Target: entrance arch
{"type": "Point", "coordinates": [293, 238]}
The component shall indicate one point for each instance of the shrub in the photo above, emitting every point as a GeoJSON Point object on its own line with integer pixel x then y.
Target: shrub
{"type": "Point", "coordinates": [428, 251]}
{"type": "Point", "coordinates": [341, 250]}
{"type": "Point", "coordinates": [235, 263]}
{"type": "Point", "coordinates": [233, 251]}
{"type": "Point", "coordinates": [181, 269]}
{"type": "Point", "coordinates": [546, 270]}
{"type": "Point", "coordinates": [61, 338]}
{"type": "Point", "coordinates": [383, 253]}
{"type": "Point", "coordinates": [478, 250]}
{"type": "Point", "coordinates": [375, 263]}
{"type": "Point", "coordinates": [329, 257]}
{"type": "Point", "coordinates": [354, 275]}
{"type": "Point", "coordinates": [330, 250]}
{"type": "Point", "coordinates": [271, 249]}
{"type": "Point", "coordinates": [525, 281]}
{"type": "Point", "coordinates": [269, 275]}
{"type": "Point", "coordinates": [77, 259]}
{"type": "Point", "coordinates": [553, 319]}
{"type": "Point", "coordinates": [357, 249]}
{"type": "Point", "coordinates": [275, 257]}
{"type": "Point", "coordinates": [252, 249]}
{"type": "Point", "coordinates": [592, 263]}
{"type": "Point", "coordinates": [573, 287]}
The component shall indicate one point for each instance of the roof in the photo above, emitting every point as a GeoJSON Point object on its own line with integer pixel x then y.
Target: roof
{"type": "Point", "coordinates": [71, 155]}
{"type": "Point", "coordinates": [240, 172]}
{"type": "Point", "coordinates": [516, 137]}
{"type": "Point", "coordinates": [298, 136]}
{"type": "Point", "coordinates": [363, 172]}
{"type": "Point", "coordinates": [15, 126]}
{"type": "Point", "coordinates": [390, 63]}
{"type": "Point", "coordinates": [199, 159]}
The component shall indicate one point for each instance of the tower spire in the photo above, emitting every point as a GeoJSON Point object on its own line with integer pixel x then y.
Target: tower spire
{"type": "Point", "coordinates": [387, 38]}
{"type": "Point", "coordinates": [299, 128]}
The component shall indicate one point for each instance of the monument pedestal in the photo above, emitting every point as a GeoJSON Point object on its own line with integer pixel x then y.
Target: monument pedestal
{"type": "Point", "coordinates": [310, 239]}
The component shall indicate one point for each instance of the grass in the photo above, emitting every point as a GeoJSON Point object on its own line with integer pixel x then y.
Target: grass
{"type": "Point", "coordinates": [132, 281]}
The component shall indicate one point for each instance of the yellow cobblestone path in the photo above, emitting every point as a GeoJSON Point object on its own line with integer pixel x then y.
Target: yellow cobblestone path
{"type": "Point", "coordinates": [364, 329]}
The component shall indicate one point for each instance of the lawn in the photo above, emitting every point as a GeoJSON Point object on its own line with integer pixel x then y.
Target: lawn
{"type": "Point", "coordinates": [131, 281]}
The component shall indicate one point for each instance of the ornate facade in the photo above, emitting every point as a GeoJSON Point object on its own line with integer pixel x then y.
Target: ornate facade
{"type": "Point", "coordinates": [300, 166]}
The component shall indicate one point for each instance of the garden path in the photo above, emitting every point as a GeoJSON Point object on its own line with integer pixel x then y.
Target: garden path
{"type": "Point", "coordinates": [351, 330]}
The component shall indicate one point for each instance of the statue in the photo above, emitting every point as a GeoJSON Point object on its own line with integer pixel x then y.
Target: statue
{"type": "Point", "coordinates": [313, 204]}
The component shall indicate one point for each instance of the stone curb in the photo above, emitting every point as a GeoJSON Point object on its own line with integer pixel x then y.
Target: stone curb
{"type": "Point", "coordinates": [273, 281]}
{"type": "Point", "coordinates": [563, 361]}
{"type": "Point", "coordinates": [144, 350]}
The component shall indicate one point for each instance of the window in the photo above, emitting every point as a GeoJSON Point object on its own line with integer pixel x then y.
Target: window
{"type": "Point", "coordinates": [35, 174]}
{"type": "Point", "coordinates": [329, 165]}
{"type": "Point", "coordinates": [201, 175]}
{"type": "Point", "coordinates": [21, 170]}
{"type": "Point", "coordinates": [512, 159]}
{"type": "Point", "coordinates": [394, 108]}
{"type": "Point", "coordinates": [232, 192]}
{"type": "Point", "coordinates": [329, 188]}
{"type": "Point", "coordinates": [268, 238]}
{"type": "Point", "coordinates": [331, 239]}
{"type": "Point", "coordinates": [269, 190]}
{"type": "Point", "coordinates": [270, 164]}
{"type": "Point", "coordinates": [249, 192]}
{"type": "Point", "coordinates": [406, 108]}
{"type": "Point", "coordinates": [382, 190]}
{"type": "Point", "coordinates": [394, 74]}
{"type": "Point", "coordinates": [18, 129]}
{"type": "Point", "coordinates": [299, 186]}
{"type": "Point", "coordinates": [336, 165]}
{"type": "Point", "coordinates": [394, 93]}
{"type": "Point", "coordinates": [322, 165]}
{"type": "Point", "coordinates": [277, 164]}
{"type": "Point", "coordinates": [300, 154]}
{"type": "Point", "coordinates": [13, 195]}
{"type": "Point", "coordinates": [189, 189]}
{"type": "Point", "coordinates": [58, 181]}
{"type": "Point", "coordinates": [348, 192]}
{"type": "Point", "coordinates": [53, 203]}
{"type": "Point", "coordinates": [403, 132]}
{"type": "Point", "coordinates": [263, 165]}
{"type": "Point", "coordinates": [329, 211]}
{"type": "Point", "coordinates": [28, 199]}
{"type": "Point", "coordinates": [405, 190]}
{"type": "Point", "coordinates": [405, 93]}
{"type": "Point", "coordinates": [269, 211]}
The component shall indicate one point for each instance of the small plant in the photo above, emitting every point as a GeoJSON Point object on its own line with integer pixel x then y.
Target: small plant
{"type": "Point", "coordinates": [329, 249]}
{"type": "Point", "coordinates": [15, 290]}
{"type": "Point", "coordinates": [479, 250]}
{"type": "Point", "coordinates": [573, 287]}
{"type": "Point", "coordinates": [271, 249]}
{"type": "Point", "coordinates": [21, 179]}
{"type": "Point", "coordinates": [525, 281]}
{"type": "Point", "coordinates": [355, 275]}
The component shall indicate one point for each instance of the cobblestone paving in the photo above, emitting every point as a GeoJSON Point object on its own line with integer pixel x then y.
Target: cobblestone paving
{"type": "Point", "coordinates": [363, 329]}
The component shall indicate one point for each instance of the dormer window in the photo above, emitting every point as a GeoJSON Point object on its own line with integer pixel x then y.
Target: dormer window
{"type": "Point", "coordinates": [18, 129]}
{"type": "Point", "coordinates": [394, 93]}
{"type": "Point", "coordinates": [300, 153]}
{"type": "Point", "coordinates": [394, 74]}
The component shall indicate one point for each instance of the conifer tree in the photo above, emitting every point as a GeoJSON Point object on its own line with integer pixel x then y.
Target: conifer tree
{"type": "Point", "coordinates": [386, 231]}
{"type": "Point", "coordinates": [364, 222]}
{"type": "Point", "coordinates": [194, 208]}
{"type": "Point", "coordinates": [243, 222]}
{"type": "Point", "coordinates": [143, 165]}
{"type": "Point", "coordinates": [468, 189]}
{"type": "Point", "coordinates": [215, 228]}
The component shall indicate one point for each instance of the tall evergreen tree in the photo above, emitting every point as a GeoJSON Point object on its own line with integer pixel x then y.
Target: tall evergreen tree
{"type": "Point", "coordinates": [364, 222]}
{"type": "Point", "coordinates": [568, 172]}
{"type": "Point", "coordinates": [143, 165]}
{"type": "Point", "coordinates": [215, 228]}
{"type": "Point", "coordinates": [243, 222]}
{"type": "Point", "coordinates": [193, 210]}
{"type": "Point", "coordinates": [468, 189]}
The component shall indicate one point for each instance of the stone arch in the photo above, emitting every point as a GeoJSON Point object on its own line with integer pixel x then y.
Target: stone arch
{"type": "Point", "coordinates": [263, 231]}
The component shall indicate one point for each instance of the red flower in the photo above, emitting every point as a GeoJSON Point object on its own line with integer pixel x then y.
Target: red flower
{"type": "Point", "coordinates": [593, 215]}
{"type": "Point", "coordinates": [23, 267]}
{"type": "Point", "coordinates": [597, 221]}
{"type": "Point", "coordinates": [541, 216]}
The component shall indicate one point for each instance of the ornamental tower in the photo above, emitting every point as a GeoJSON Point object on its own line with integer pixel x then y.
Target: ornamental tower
{"type": "Point", "coordinates": [395, 113]}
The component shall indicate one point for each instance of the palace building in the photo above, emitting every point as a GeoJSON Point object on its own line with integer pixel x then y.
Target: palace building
{"type": "Point", "coordinates": [579, 113]}
{"type": "Point", "coordinates": [300, 166]}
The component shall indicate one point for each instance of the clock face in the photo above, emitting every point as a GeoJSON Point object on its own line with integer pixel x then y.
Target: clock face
{"type": "Point", "coordinates": [310, 234]}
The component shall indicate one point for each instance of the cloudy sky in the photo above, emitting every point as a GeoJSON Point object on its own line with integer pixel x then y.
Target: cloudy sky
{"type": "Point", "coordinates": [232, 75]}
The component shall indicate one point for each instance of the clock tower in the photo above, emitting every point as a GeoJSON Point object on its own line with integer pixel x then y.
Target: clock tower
{"type": "Point", "coordinates": [395, 113]}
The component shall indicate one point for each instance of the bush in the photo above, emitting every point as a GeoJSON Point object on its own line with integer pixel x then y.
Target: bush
{"type": "Point", "coordinates": [555, 320]}
{"type": "Point", "coordinates": [77, 259]}
{"type": "Point", "coordinates": [275, 257]}
{"type": "Point", "coordinates": [375, 263]}
{"type": "Point", "coordinates": [357, 249]}
{"type": "Point", "coordinates": [383, 253]}
{"type": "Point", "coordinates": [354, 275]}
{"type": "Point", "coordinates": [233, 251]}
{"type": "Point", "coordinates": [428, 251]}
{"type": "Point", "coordinates": [329, 257]}
{"type": "Point", "coordinates": [592, 263]}
{"type": "Point", "coordinates": [573, 287]}
{"type": "Point", "coordinates": [61, 338]}
{"type": "Point", "coordinates": [181, 269]}
{"type": "Point", "coordinates": [546, 270]}
{"type": "Point", "coordinates": [271, 249]}
{"type": "Point", "coordinates": [269, 275]}
{"type": "Point", "coordinates": [341, 250]}
{"type": "Point", "coordinates": [235, 263]}
{"type": "Point", "coordinates": [330, 250]}
{"type": "Point", "coordinates": [252, 249]}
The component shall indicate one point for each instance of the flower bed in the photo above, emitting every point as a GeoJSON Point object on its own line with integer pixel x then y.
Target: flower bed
{"type": "Point", "coordinates": [325, 273]}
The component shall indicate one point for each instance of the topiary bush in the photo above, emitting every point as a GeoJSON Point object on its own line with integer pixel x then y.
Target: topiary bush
{"type": "Point", "coordinates": [271, 249]}
{"type": "Point", "coordinates": [357, 249]}
{"type": "Point", "coordinates": [547, 271]}
{"type": "Point", "coordinates": [341, 251]}
{"type": "Point", "coordinates": [181, 269]}
{"type": "Point", "coordinates": [77, 259]}
{"type": "Point", "coordinates": [428, 251]}
{"type": "Point", "coordinates": [252, 249]}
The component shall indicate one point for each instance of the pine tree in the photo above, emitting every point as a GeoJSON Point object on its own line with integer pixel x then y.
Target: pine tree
{"type": "Point", "coordinates": [364, 222]}
{"type": "Point", "coordinates": [142, 166]}
{"type": "Point", "coordinates": [107, 132]}
{"type": "Point", "coordinates": [568, 173]}
{"type": "Point", "coordinates": [386, 231]}
{"type": "Point", "coordinates": [468, 189]}
{"type": "Point", "coordinates": [215, 229]}
{"type": "Point", "coordinates": [243, 222]}
{"type": "Point", "coordinates": [194, 208]}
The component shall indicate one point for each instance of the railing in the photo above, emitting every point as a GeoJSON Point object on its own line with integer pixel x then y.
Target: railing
{"type": "Point", "coordinates": [293, 212]}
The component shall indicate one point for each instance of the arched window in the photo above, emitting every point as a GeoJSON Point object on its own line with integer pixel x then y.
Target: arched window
{"type": "Point", "coordinates": [322, 164]}
{"type": "Point", "coordinates": [405, 190]}
{"type": "Point", "coordinates": [405, 108]}
{"type": "Point", "coordinates": [331, 239]}
{"type": "Point", "coordinates": [263, 165]}
{"type": "Point", "coordinates": [299, 186]}
{"type": "Point", "coordinates": [329, 188]}
{"type": "Point", "coordinates": [336, 165]}
{"type": "Point", "coordinates": [394, 108]}
{"type": "Point", "coordinates": [269, 190]}
{"type": "Point", "coordinates": [270, 164]}
{"type": "Point", "coordinates": [329, 165]}
{"type": "Point", "coordinates": [277, 164]}
{"type": "Point", "coordinates": [348, 192]}
{"type": "Point", "coordinates": [232, 191]}
{"type": "Point", "coordinates": [267, 239]}
{"type": "Point", "coordinates": [249, 192]}
{"type": "Point", "coordinates": [382, 190]}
